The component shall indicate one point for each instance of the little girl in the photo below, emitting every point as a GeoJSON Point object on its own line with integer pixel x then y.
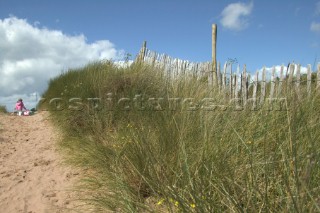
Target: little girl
{"type": "Point", "coordinates": [20, 106]}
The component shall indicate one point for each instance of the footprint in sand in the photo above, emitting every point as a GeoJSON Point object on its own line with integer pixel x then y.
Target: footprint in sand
{"type": "Point", "coordinates": [31, 179]}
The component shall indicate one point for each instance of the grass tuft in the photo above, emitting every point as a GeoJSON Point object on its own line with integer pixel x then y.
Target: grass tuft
{"type": "Point", "coordinates": [3, 109]}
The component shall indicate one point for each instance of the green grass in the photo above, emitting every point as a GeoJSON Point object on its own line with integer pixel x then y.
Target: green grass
{"type": "Point", "coordinates": [3, 109]}
{"type": "Point", "coordinates": [153, 156]}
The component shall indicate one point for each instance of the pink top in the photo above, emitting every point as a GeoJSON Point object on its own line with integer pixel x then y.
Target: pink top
{"type": "Point", "coordinates": [20, 106]}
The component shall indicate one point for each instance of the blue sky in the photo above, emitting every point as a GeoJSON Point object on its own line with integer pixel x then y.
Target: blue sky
{"type": "Point", "coordinates": [258, 33]}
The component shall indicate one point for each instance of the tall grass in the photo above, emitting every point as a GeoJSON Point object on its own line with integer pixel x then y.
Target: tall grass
{"type": "Point", "coordinates": [3, 109]}
{"type": "Point", "coordinates": [146, 151]}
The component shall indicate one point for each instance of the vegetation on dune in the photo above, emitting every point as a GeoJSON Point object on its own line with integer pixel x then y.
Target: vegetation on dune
{"type": "Point", "coordinates": [156, 145]}
{"type": "Point", "coordinates": [3, 109]}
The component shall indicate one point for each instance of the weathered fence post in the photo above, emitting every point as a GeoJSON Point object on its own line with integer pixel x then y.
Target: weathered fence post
{"type": "Point", "coordinates": [290, 79]}
{"type": "Point", "coordinates": [298, 78]}
{"type": "Point", "coordinates": [248, 84]}
{"type": "Point", "coordinates": [214, 56]}
{"type": "Point", "coordinates": [255, 89]}
{"type": "Point", "coordinates": [279, 93]}
{"type": "Point", "coordinates": [272, 86]}
{"type": "Point", "coordinates": [230, 82]}
{"type": "Point", "coordinates": [142, 52]}
{"type": "Point", "coordinates": [236, 86]}
{"type": "Point", "coordinates": [244, 85]}
{"type": "Point", "coordinates": [309, 79]}
{"type": "Point", "coordinates": [224, 82]}
{"type": "Point", "coordinates": [219, 76]}
{"type": "Point", "coordinates": [263, 86]}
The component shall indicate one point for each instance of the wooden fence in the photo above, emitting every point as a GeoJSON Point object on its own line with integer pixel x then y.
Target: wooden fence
{"type": "Point", "coordinates": [237, 84]}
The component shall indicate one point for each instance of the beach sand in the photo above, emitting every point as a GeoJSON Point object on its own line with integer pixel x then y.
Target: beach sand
{"type": "Point", "coordinates": [32, 176]}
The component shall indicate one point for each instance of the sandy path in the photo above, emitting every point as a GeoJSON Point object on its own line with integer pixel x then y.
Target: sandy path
{"type": "Point", "coordinates": [32, 178]}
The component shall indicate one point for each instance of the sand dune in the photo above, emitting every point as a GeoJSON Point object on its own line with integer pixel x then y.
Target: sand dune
{"type": "Point", "coordinates": [32, 177]}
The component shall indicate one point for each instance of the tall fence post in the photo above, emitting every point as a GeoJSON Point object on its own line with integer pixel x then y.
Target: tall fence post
{"type": "Point", "coordinates": [214, 56]}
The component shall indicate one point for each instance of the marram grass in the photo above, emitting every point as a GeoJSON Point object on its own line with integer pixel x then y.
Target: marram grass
{"type": "Point", "coordinates": [149, 147]}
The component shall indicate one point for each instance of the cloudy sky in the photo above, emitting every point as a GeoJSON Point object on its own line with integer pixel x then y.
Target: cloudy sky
{"type": "Point", "coordinates": [39, 39]}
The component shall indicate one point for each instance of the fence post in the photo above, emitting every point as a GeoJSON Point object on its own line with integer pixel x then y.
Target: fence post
{"type": "Point", "coordinates": [219, 76]}
{"type": "Point", "coordinates": [298, 78]}
{"type": "Point", "coordinates": [272, 86]}
{"type": "Point", "coordinates": [290, 79]}
{"type": "Point", "coordinates": [244, 84]}
{"type": "Point", "coordinates": [230, 82]}
{"type": "Point", "coordinates": [142, 52]}
{"type": "Point", "coordinates": [236, 86]}
{"type": "Point", "coordinates": [263, 86]}
{"type": "Point", "coordinates": [224, 82]}
{"type": "Point", "coordinates": [248, 84]}
{"type": "Point", "coordinates": [214, 56]}
{"type": "Point", "coordinates": [309, 79]}
{"type": "Point", "coordinates": [280, 81]}
{"type": "Point", "coordinates": [255, 89]}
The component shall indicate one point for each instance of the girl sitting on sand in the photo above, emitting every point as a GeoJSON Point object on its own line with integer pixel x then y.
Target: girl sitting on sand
{"type": "Point", "coordinates": [20, 107]}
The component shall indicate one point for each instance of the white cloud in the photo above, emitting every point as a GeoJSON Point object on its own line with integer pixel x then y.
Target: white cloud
{"type": "Point", "coordinates": [315, 27]}
{"type": "Point", "coordinates": [31, 55]}
{"type": "Point", "coordinates": [277, 69]}
{"type": "Point", "coordinates": [234, 16]}
{"type": "Point", "coordinates": [303, 70]}
{"type": "Point", "coordinates": [123, 64]}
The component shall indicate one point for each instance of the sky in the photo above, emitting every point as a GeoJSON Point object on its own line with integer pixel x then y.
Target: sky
{"type": "Point", "coordinates": [39, 39]}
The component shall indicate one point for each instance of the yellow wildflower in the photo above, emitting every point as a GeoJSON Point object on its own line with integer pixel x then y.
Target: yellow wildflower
{"type": "Point", "coordinates": [160, 202]}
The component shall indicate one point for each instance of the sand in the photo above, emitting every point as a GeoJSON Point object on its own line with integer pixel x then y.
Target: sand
{"type": "Point", "coordinates": [32, 176]}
